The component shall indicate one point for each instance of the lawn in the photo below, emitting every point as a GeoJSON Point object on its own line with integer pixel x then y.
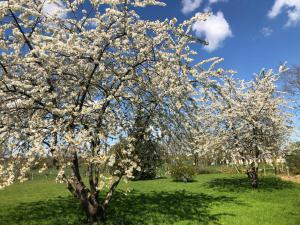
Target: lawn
{"type": "Point", "coordinates": [211, 199]}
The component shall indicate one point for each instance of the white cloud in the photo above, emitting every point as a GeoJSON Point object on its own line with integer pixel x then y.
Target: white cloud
{"type": "Point", "coordinates": [54, 8]}
{"type": "Point", "coordinates": [292, 7]}
{"type": "Point", "coordinates": [189, 6]}
{"type": "Point", "coordinates": [266, 31]}
{"type": "Point", "coordinates": [215, 1]}
{"type": "Point", "coordinates": [215, 30]}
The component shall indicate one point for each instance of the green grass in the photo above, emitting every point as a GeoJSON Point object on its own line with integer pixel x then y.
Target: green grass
{"type": "Point", "coordinates": [211, 199]}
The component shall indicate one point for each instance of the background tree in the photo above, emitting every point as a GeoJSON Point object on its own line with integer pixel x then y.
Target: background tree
{"type": "Point", "coordinates": [291, 83]}
{"type": "Point", "coordinates": [293, 158]}
{"type": "Point", "coordinates": [146, 145]}
{"type": "Point", "coordinates": [252, 126]}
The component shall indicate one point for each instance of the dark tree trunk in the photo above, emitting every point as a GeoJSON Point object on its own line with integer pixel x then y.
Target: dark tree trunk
{"type": "Point", "coordinates": [196, 159]}
{"type": "Point", "coordinates": [89, 202]}
{"type": "Point", "coordinates": [275, 170]}
{"type": "Point", "coordinates": [89, 198]}
{"type": "Point", "coordinates": [95, 212]}
{"type": "Point", "coordinates": [252, 174]}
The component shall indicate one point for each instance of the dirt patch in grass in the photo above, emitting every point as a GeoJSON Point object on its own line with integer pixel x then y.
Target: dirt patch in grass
{"type": "Point", "coordinates": [291, 178]}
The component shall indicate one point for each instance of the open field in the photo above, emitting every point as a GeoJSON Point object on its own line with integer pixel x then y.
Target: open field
{"type": "Point", "coordinates": [211, 199]}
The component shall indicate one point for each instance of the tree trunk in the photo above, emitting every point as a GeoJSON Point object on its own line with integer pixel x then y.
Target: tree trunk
{"type": "Point", "coordinates": [88, 198]}
{"type": "Point", "coordinates": [196, 159]}
{"type": "Point", "coordinates": [95, 212]}
{"type": "Point", "coordinates": [252, 174]}
{"type": "Point", "coordinates": [89, 202]}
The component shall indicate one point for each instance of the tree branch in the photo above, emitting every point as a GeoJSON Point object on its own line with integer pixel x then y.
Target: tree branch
{"type": "Point", "coordinates": [111, 192]}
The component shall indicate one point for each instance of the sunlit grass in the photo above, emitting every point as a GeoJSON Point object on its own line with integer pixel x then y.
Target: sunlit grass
{"type": "Point", "coordinates": [211, 199]}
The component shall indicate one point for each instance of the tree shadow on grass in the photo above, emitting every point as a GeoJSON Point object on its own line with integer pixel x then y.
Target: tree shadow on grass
{"type": "Point", "coordinates": [165, 208]}
{"type": "Point", "coordinates": [135, 208]}
{"type": "Point", "coordinates": [242, 184]}
{"type": "Point", "coordinates": [58, 211]}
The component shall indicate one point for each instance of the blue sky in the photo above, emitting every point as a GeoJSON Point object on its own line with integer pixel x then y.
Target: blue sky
{"type": "Point", "coordinates": [252, 34]}
{"type": "Point", "coordinates": [248, 34]}
{"type": "Point", "coordinates": [258, 33]}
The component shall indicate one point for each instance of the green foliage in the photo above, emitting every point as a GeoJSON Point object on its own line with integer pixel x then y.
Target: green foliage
{"type": "Point", "coordinates": [149, 155]}
{"type": "Point", "coordinates": [181, 170]}
{"type": "Point", "coordinates": [293, 159]}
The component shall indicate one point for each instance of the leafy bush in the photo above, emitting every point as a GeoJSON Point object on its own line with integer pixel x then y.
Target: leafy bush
{"type": "Point", "coordinates": [182, 171]}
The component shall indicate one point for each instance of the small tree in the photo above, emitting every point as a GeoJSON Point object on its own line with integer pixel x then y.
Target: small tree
{"type": "Point", "coordinates": [252, 126]}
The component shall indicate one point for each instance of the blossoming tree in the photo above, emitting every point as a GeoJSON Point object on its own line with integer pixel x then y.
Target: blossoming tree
{"type": "Point", "coordinates": [252, 123]}
{"type": "Point", "coordinates": [71, 81]}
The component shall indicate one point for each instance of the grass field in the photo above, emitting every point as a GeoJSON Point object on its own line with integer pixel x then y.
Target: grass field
{"type": "Point", "coordinates": [211, 199]}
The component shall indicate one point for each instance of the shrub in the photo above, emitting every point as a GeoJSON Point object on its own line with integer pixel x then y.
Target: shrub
{"type": "Point", "coordinates": [182, 171]}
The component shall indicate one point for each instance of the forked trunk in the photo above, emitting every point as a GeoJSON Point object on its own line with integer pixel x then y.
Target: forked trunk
{"type": "Point", "coordinates": [94, 209]}
{"type": "Point", "coordinates": [88, 198]}
{"type": "Point", "coordinates": [94, 212]}
{"type": "Point", "coordinates": [252, 174]}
